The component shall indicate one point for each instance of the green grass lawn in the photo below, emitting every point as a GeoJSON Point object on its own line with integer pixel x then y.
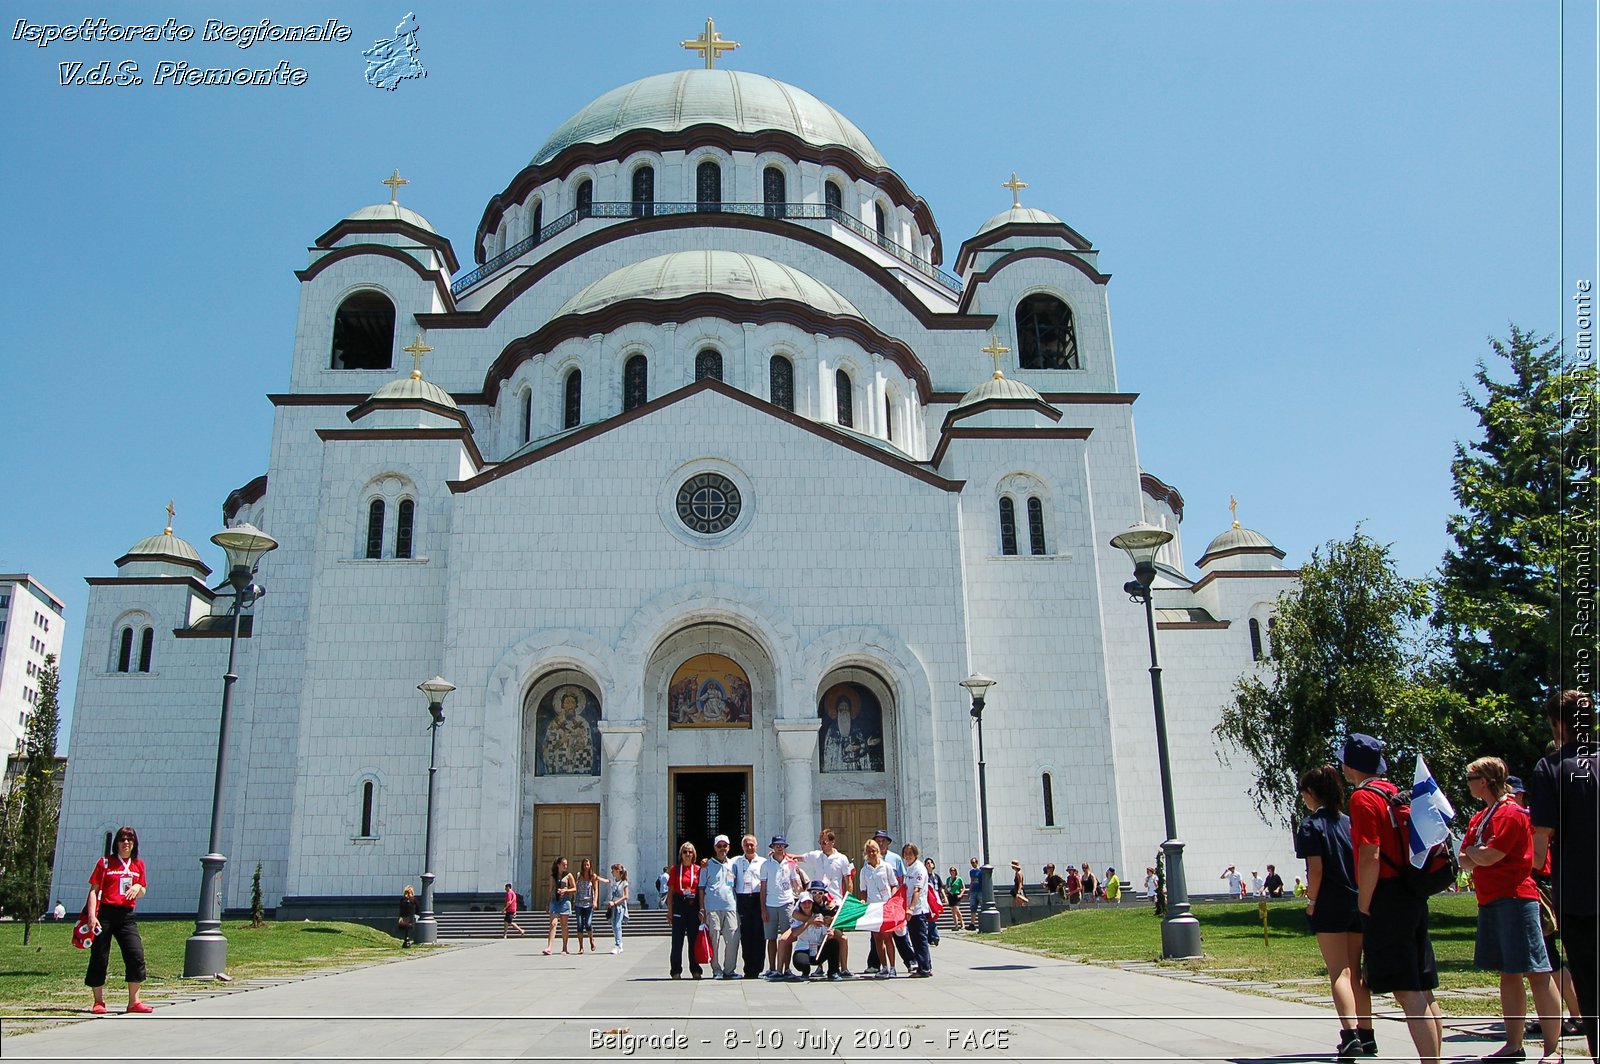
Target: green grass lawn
{"type": "Point", "coordinates": [1231, 937]}
{"type": "Point", "coordinates": [45, 977]}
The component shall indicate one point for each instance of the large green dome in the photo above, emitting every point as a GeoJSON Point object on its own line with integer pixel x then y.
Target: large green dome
{"type": "Point", "coordinates": [743, 102]}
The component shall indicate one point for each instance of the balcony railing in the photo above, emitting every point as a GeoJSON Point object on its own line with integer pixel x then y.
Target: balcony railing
{"type": "Point", "coordinates": [789, 211]}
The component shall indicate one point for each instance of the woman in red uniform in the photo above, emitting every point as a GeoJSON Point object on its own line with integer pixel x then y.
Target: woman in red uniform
{"type": "Point", "coordinates": [117, 883]}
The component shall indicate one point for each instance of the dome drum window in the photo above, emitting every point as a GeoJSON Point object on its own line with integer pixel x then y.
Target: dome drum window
{"type": "Point", "coordinates": [572, 405]}
{"type": "Point", "coordinates": [774, 192]}
{"type": "Point", "coordinates": [644, 192]}
{"type": "Point", "coordinates": [375, 529]}
{"type": "Point", "coordinates": [584, 201]}
{"type": "Point", "coordinates": [708, 187]}
{"type": "Point", "coordinates": [844, 400]}
{"type": "Point", "coordinates": [708, 363]}
{"type": "Point", "coordinates": [709, 503]}
{"type": "Point", "coordinates": [635, 382]}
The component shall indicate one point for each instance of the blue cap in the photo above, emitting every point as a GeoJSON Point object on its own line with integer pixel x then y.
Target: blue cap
{"type": "Point", "coordinates": [882, 834]}
{"type": "Point", "coordinates": [778, 840]}
{"type": "Point", "coordinates": [1515, 783]}
{"type": "Point", "coordinates": [1364, 754]}
{"type": "Point", "coordinates": [818, 885]}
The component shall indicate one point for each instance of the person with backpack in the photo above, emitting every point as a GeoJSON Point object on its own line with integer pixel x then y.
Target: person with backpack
{"type": "Point", "coordinates": [1498, 845]}
{"type": "Point", "coordinates": [1394, 918]}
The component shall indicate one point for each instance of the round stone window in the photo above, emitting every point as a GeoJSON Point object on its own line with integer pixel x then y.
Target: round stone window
{"type": "Point", "coordinates": [708, 503]}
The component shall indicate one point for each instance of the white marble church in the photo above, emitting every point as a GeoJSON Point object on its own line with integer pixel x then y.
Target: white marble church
{"type": "Point", "coordinates": [705, 494]}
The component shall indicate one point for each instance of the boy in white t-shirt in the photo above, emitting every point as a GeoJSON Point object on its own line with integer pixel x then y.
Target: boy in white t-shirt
{"type": "Point", "coordinates": [829, 865]}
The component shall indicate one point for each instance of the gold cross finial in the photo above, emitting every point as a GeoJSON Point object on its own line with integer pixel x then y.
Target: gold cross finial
{"type": "Point", "coordinates": [394, 181]}
{"type": "Point", "coordinates": [171, 512]}
{"type": "Point", "coordinates": [1233, 504]}
{"type": "Point", "coordinates": [710, 44]}
{"type": "Point", "coordinates": [416, 349]}
{"type": "Point", "coordinates": [1016, 188]}
{"type": "Point", "coordinates": [996, 350]}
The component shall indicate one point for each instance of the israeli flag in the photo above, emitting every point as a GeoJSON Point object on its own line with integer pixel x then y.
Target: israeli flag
{"type": "Point", "coordinates": [1431, 814]}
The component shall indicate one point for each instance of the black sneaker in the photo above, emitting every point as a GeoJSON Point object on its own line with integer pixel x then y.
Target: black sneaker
{"type": "Point", "coordinates": [1369, 1041]}
{"type": "Point", "coordinates": [1349, 1047]}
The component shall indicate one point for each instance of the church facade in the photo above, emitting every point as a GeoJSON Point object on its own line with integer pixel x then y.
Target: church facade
{"type": "Point", "coordinates": [706, 488]}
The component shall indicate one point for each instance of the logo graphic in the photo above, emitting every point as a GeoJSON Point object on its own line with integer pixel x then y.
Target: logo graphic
{"type": "Point", "coordinates": [392, 61]}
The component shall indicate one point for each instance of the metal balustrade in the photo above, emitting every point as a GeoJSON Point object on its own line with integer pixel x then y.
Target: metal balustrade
{"type": "Point", "coordinates": [786, 211]}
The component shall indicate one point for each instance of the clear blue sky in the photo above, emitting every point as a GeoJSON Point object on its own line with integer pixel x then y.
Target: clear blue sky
{"type": "Point", "coordinates": [1314, 214]}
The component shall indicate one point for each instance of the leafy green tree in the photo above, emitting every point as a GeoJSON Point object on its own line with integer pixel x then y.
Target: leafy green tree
{"type": "Point", "coordinates": [1510, 589]}
{"type": "Point", "coordinates": [1346, 654]}
{"type": "Point", "coordinates": [30, 843]}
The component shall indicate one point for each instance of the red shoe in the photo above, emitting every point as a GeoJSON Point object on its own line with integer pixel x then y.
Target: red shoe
{"type": "Point", "coordinates": [98, 1008]}
{"type": "Point", "coordinates": [139, 1006]}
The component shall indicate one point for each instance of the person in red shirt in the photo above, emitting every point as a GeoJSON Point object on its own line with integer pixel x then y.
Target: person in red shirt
{"type": "Point", "coordinates": [511, 914]}
{"type": "Point", "coordinates": [115, 886]}
{"type": "Point", "coordinates": [1394, 921]}
{"type": "Point", "coordinates": [1498, 846]}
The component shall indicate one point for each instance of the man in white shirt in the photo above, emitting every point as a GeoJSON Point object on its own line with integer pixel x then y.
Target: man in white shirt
{"type": "Point", "coordinates": [747, 902]}
{"type": "Point", "coordinates": [919, 915]}
{"type": "Point", "coordinates": [779, 881]}
{"type": "Point", "coordinates": [663, 884]}
{"type": "Point", "coordinates": [1256, 889]}
{"type": "Point", "coordinates": [829, 865]}
{"type": "Point", "coordinates": [1235, 882]}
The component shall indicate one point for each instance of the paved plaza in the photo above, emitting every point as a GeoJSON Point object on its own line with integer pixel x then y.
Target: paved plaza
{"type": "Point", "coordinates": [505, 1001]}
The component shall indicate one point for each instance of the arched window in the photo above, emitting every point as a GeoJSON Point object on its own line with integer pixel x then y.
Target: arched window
{"type": "Point", "coordinates": [1049, 802]}
{"type": "Point", "coordinates": [1008, 525]}
{"type": "Point", "coordinates": [527, 415]}
{"type": "Point", "coordinates": [572, 408]}
{"type": "Point", "coordinates": [107, 851]}
{"type": "Point", "coordinates": [403, 528]}
{"type": "Point", "coordinates": [774, 191]}
{"type": "Point", "coordinates": [888, 417]}
{"type": "Point", "coordinates": [585, 198]}
{"type": "Point", "coordinates": [644, 191]}
{"type": "Point", "coordinates": [844, 408]}
{"type": "Point", "coordinates": [363, 332]}
{"type": "Point", "coordinates": [1045, 336]}
{"type": "Point", "coordinates": [635, 382]}
{"type": "Point", "coordinates": [708, 187]}
{"type": "Point", "coordinates": [880, 224]}
{"type": "Point", "coordinates": [147, 645]}
{"type": "Point", "coordinates": [536, 226]}
{"type": "Point", "coordinates": [1035, 525]}
{"type": "Point", "coordinates": [708, 363]}
{"type": "Point", "coordinates": [125, 651]}
{"type": "Point", "coordinates": [368, 794]}
{"type": "Point", "coordinates": [833, 196]}
{"type": "Point", "coordinates": [375, 529]}
{"type": "Point", "coordinates": [1255, 640]}
{"type": "Point", "coordinates": [780, 382]}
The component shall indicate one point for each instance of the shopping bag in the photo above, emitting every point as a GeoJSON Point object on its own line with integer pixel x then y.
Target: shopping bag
{"type": "Point", "coordinates": [82, 931]}
{"type": "Point", "coordinates": [702, 946]}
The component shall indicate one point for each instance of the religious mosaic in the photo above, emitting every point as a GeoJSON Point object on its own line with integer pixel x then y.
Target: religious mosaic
{"type": "Point", "coordinates": [567, 733]}
{"type": "Point", "coordinates": [850, 738]}
{"type": "Point", "coordinates": [709, 691]}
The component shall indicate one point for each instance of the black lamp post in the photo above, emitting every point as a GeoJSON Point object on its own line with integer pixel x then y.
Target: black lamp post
{"type": "Point", "coordinates": [205, 953]}
{"type": "Point", "coordinates": [427, 929]}
{"type": "Point", "coordinates": [1180, 931]}
{"type": "Point", "coordinates": [977, 686]}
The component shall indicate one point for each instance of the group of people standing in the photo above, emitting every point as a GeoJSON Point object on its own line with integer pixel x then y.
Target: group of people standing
{"type": "Point", "coordinates": [579, 896]}
{"type": "Point", "coordinates": [1533, 869]}
{"type": "Point", "coordinates": [772, 916]}
{"type": "Point", "coordinates": [1076, 886]}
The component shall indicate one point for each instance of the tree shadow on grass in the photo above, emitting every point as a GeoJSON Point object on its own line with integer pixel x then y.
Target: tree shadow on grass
{"type": "Point", "coordinates": [322, 930]}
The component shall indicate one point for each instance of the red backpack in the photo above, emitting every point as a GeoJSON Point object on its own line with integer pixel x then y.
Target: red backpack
{"type": "Point", "coordinates": [1439, 871]}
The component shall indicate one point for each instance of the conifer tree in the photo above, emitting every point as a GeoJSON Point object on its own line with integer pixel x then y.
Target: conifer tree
{"type": "Point", "coordinates": [34, 811]}
{"type": "Point", "coordinates": [1516, 592]}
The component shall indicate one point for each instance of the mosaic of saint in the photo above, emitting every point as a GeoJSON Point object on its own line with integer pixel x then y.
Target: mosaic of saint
{"type": "Point", "coordinates": [709, 691]}
{"type": "Point", "coordinates": [850, 738]}
{"type": "Point", "coordinates": [567, 733]}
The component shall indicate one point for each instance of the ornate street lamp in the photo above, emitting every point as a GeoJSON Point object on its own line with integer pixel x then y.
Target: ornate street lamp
{"type": "Point", "coordinates": [427, 929]}
{"type": "Point", "coordinates": [1180, 931]}
{"type": "Point", "coordinates": [205, 953]}
{"type": "Point", "coordinates": [977, 686]}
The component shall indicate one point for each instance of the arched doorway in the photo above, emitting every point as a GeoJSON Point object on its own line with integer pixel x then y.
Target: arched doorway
{"type": "Point", "coordinates": [857, 760]}
{"type": "Point", "coordinates": [561, 755]}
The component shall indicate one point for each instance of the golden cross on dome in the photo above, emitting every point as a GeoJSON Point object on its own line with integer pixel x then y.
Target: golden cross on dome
{"type": "Point", "coordinates": [710, 44]}
{"type": "Point", "coordinates": [1016, 188]}
{"type": "Point", "coordinates": [416, 349]}
{"type": "Point", "coordinates": [1233, 504]}
{"type": "Point", "coordinates": [996, 350]}
{"type": "Point", "coordinates": [394, 181]}
{"type": "Point", "coordinates": [171, 512]}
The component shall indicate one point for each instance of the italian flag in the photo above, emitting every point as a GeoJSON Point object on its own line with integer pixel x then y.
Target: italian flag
{"type": "Point", "coordinates": [857, 915]}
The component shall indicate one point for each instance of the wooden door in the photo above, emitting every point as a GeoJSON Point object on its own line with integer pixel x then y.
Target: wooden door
{"type": "Point", "coordinates": [853, 823]}
{"type": "Point", "coordinates": [570, 831]}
